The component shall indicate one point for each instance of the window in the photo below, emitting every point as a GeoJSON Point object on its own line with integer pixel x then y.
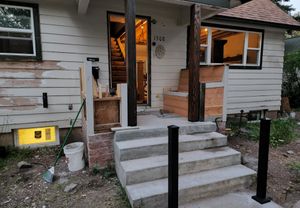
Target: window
{"type": "Point", "coordinates": [19, 31]}
{"type": "Point", "coordinates": [235, 47]}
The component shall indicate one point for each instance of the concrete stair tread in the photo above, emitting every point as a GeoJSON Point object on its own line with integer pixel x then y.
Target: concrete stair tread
{"type": "Point", "coordinates": [184, 157]}
{"type": "Point", "coordinates": [231, 200]}
{"type": "Point", "coordinates": [188, 181]}
{"type": "Point", "coordinates": [136, 143]}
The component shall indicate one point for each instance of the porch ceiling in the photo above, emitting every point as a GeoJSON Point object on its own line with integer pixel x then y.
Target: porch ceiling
{"type": "Point", "coordinates": [208, 3]}
{"type": "Point", "coordinates": [207, 10]}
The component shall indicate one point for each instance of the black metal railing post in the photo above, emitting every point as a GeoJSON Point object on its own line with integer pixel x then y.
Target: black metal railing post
{"type": "Point", "coordinates": [173, 166]}
{"type": "Point", "coordinates": [263, 156]}
{"type": "Point", "coordinates": [202, 102]}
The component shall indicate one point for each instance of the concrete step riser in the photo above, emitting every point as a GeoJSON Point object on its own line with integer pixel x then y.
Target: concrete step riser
{"type": "Point", "coordinates": [147, 133]}
{"type": "Point", "coordinates": [184, 168]}
{"type": "Point", "coordinates": [195, 193]}
{"type": "Point", "coordinates": [162, 149]}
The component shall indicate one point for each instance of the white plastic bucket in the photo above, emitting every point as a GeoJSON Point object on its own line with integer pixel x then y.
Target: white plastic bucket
{"type": "Point", "coordinates": [74, 155]}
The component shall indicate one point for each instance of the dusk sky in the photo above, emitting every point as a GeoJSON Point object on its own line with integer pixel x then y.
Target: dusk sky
{"type": "Point", "coordinates": [296, 5]}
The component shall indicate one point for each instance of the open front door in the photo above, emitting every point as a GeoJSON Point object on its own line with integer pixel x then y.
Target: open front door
{"type": "Point", "coordinates": [117, 54]}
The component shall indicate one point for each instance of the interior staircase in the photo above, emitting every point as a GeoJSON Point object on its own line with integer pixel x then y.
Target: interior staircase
{"type": "Point", "coordinates": [207, 167]}
{"type": "Point", "coordinates": [118, 66]}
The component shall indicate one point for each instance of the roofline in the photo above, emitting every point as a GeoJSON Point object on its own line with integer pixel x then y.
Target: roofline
{"type": "Point", "coordinates": [218, 3]}
{"type": "Point", "coordinates": [263, 23]}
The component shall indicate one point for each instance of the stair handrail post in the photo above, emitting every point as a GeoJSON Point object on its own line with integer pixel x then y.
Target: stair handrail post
{"type": "Point", "coordinates": [202, 102]}
{"type": "Point", "coordinates": [263, 157]}
{"type": "Point", "coordinates": [173, 146]}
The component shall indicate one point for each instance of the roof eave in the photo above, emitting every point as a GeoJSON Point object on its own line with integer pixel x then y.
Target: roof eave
{"type": "Point", "coordinates": [217, 3]}
{"type": "Point", "coordinates": [263, 23]}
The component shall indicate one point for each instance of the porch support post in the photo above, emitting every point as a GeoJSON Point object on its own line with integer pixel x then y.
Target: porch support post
{"type": "Point", "coordinates": [193, 64]}
{"type": "Point", "coordinates": [130, 13]}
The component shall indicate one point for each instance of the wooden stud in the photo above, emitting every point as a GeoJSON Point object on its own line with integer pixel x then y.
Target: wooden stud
{"type": "Point", "coordinates": [130, 14]}
{"type": "Point", "coordinates": [193, 64]}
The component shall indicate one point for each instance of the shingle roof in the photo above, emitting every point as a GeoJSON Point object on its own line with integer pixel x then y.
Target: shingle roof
{"type": "Point", "coordinates": [262, 11]}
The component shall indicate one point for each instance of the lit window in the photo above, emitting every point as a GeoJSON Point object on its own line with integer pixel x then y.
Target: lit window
{"type": "Point", "coordinates": [234, 47]}
{"type": "Point", "coordinates": [19, 33]}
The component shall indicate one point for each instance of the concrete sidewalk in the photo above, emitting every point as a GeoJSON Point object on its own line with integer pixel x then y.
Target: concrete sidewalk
{"type": "Point", "coordinates": [232, 200]}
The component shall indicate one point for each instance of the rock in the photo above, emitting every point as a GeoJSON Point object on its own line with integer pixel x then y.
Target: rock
{"type": "Point", "coordinates": [63, 174]}
{"type": "Point", "coordinates": [63, 180]}
{"type": "Point", "coordinates": [285, 155]}
{"type": "Point", "coordinates": [24, 165]}
{"type": "Point", "coordinates": [291, 152]}
{"type": "Point", "coordinates": [297, 205]}
{"type": "Point", "coordinates": [70, 187]}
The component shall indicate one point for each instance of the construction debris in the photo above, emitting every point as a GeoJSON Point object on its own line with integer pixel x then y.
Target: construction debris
{"type": "Point", "coordinates": [24, 165]}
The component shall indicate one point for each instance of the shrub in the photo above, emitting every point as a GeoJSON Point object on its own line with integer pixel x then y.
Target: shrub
{"type": "Point", "coordinates": [282, 131]}
{"type": "Point", "coordinates": [291, 78]}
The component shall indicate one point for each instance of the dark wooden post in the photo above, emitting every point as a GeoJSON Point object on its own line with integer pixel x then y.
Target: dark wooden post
{"type": "Point", "coordinates": [193, 64]}
{"type": "Point", "coordinates": [130, 9]}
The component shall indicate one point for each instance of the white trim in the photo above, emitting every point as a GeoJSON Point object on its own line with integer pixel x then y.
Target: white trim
{"type": "Point", "coordinates": [89, 99]}
{"type": "Point", "coordinates": [209, 43]}
{"type": "Point", "coordinates": [16, 30]}
{"type": "Point", "coordinates": [83, 6]}
{"type": "Point", "coordinates": [245, 54]}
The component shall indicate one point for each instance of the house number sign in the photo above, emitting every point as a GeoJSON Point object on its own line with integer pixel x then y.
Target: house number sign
{"type": "Point", "coordinates": [159, 38]}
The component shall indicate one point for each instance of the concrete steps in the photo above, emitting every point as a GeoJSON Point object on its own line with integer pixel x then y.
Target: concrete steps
{"type": "Point", "coordinates": [191, 186]}
{"type": "Point", "coordinates": [156, 167]}
{"type": "Point", "coordinates": [140, 148]}
{"type": "Point", "coordinates": [207, 167]}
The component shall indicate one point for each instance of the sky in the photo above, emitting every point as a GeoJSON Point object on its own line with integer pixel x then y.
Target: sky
{"type": "Point", "coordinates": [296, 5]}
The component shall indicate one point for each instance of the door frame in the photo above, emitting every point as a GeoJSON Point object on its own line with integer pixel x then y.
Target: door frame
{"type": "Point", "coordinates": [148, 18]}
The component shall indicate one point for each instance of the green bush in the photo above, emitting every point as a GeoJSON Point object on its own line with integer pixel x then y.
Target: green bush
{"type": "Point", "coordinates": [282, 131]}
{"type": "Point", "coordinates": [291, 78]}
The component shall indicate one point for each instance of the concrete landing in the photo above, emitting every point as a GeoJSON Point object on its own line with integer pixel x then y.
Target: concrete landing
{"type": "Point", "coordinates": [232, 200]}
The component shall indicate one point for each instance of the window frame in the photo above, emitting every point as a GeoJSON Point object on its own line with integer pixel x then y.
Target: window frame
{"type": "Point", "coordinates": [35, 31]}
{"type": "Point", "coordinates": [244, 65]}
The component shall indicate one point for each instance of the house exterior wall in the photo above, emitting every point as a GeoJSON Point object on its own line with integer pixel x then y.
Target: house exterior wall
{"type": "Point", "coordinates": [68, 39]}
{"type": "Point", "coordinates": [258, 89]}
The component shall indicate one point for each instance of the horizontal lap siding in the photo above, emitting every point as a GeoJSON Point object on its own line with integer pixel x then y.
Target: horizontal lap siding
{"type": "Point", "coordinates": [67, 39]}
{"type": "Point", "coordinates": [259, 89]}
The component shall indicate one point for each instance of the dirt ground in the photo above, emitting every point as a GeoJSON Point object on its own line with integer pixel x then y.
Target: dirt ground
{"type": "Point", "coordinates": [283, 181]}
{"type": "Point", "coordinates": [28, 189]}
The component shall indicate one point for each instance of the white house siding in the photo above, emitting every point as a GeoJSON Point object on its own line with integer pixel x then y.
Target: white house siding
{"type": "Point", "coordinates": [68, 38]}
{"type": "Point", "coordinates": [258, 89]}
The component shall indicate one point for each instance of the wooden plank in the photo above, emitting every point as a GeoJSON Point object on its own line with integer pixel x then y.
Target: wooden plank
{"type": "Point", "coordinates": [130, 14]}
{"type": "Point", "coordinates": [89, 102]}
{"type": "Point", "coordinates": [33, 101]}
{"type": "Point", "coordinates": [239, 82]}
{"type": "Point", "coordinates": [208, 74]}
{"type": "Point", "coordinates": [193, 63]}
{"type": "Point", "coordinates": [38, 74]}
{"type": "Point", "coordinates": [106, 111]}
{"type": "Point", "coordinates": [53, 65]}
{"type": "Point", "coordinates": [254, 87]}
{"type": "Point", "coordinates": [23, 119]}
{"type": "Point", "coordinates": [38, 109]}
{"type": "Point", "coordinates": [73, 40]}
{"type": "Point", "coordinates": [34, 83]}
{"type": "Point", "coordinates": [37, 92]}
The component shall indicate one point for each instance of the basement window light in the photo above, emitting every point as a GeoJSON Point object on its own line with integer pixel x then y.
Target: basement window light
{"type": "Point", "coordinates": [19, 31]}
{"type": "Point", "coordinates": [238, 48]}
